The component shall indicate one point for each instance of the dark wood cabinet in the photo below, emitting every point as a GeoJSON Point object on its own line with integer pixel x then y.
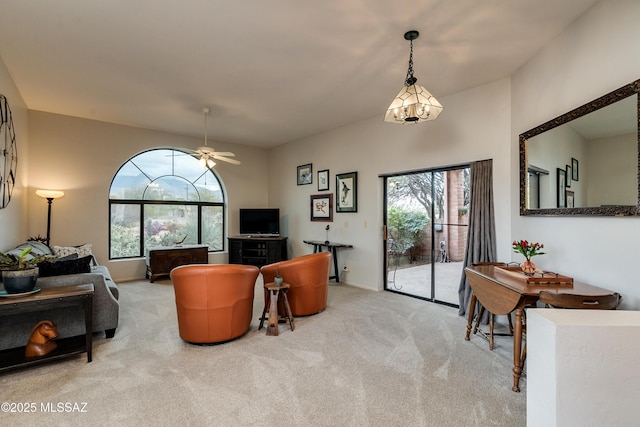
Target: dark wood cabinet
{"type": "Point", "coordinates": [161, 260]}
{"type": "Point", "coordinates": [257, 251]}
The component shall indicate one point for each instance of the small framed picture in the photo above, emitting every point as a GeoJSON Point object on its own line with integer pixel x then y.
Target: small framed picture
{"type": "Point", "coordinates": [305, 174]}
{"type": "Point", "coordinates": [347, 192]}
{"type": "Point", "coordinates": [567, 169]}
{"type": "Point", "coordinates": [321, 207]}
{"type": "Point", "coordinates": [570, 199]}
{"type": "Point", "coordinates": [323, 180]}
{"type": "Point", "coordinates": [574, 169]}
{"type": "Point", "coordinates": [561, 187]}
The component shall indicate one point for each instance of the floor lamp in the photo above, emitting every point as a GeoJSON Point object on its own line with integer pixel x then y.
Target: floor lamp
{"type": "Point", "coordinates": [49, 195]}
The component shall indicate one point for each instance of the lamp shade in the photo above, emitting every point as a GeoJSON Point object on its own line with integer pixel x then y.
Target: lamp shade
{"type": "Point", "coordinates": [413, 104]}
{"type": "Point", "coordinates": [206, 162]}
{"type": "Point", "coordinates": [50, 194]}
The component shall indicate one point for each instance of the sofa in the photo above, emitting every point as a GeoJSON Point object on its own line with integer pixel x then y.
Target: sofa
{"type": "Point", "coordinates": [16, 329]}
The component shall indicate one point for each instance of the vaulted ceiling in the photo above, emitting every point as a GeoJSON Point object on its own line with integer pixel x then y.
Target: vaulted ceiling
{"type": "Point", "coordinates": [270, 71]}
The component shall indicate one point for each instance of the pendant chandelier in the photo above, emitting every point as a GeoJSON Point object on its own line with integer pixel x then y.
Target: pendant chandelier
{"type": "Point", "coordinates": [414, 103]}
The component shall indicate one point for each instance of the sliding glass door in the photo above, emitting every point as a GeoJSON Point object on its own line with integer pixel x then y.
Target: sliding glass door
{"type": "Point", "coordinates": [426, 221]}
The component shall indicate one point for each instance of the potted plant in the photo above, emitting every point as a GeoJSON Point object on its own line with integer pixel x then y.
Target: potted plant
{"type": "Point", "coordinates": [19, 272]}
{"type": "Point", "coordinates": [278, 279]}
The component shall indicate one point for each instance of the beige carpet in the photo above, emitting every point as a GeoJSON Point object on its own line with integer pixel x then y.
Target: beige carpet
{"type": "Point", "coordinates": [370, 359]}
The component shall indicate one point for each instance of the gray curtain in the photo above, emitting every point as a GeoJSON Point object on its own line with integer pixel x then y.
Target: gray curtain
{"type": "Point", "coordinates": [481, 240]}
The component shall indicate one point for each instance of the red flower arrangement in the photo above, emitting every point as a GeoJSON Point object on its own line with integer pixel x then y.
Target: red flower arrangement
{"type": "Point", "coordinates": [527, 249]}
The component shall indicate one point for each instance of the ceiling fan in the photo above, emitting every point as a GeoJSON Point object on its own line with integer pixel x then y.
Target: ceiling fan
{"type": "Point", "coordinates": [207, 155]}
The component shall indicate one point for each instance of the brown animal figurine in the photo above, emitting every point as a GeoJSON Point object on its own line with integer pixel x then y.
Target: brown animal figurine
{"type": "Point", "coordinates": [41, 339]}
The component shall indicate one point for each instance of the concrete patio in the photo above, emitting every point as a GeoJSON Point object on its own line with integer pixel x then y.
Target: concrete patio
{"type": "Point", "coordinates": [417, 280]}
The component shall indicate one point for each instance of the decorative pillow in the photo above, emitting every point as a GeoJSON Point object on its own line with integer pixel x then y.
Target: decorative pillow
{"type": "Point", "coordinates": [82, 250]}
{"type": "Point", "coordinates": [65, 266]}
{"type": "Point", "coordinates": [37, 249]}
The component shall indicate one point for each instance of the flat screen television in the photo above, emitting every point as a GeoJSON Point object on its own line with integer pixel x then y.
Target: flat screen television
{"type": "Point", "coordinates": [263, 221]}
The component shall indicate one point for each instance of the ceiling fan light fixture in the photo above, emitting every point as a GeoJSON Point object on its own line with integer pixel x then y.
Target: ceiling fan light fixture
{"type": "Point", "coordinates": [206, 163]}
{"type": "Point", "coordinates": [206, 155]}
{"type": "Point", "coordinates": [414, 103]}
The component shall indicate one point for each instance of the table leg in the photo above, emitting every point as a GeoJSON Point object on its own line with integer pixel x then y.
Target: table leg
{"type": "Point", "coordinates": [287, 309]}
{"type": "Point", "coordinates": [272, 323]}
{"type": "Point", "coordinates": [264, 310]}
{"type": "Point", "coordinates": [334, 253]}
{"type": "Point", "coordinates": [472, 309]}
{"type": "Point", "coordinates": [316, 249]}
{"type": "Point", "coordinates": [88, 324]}
{"type": "Point", "coordinates": [517, 350]}
{"type": "Point", "coordinates": [491, 324]}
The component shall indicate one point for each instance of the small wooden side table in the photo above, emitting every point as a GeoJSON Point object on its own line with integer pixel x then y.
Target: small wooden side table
{"type": "Point", "coordinates": [272, 321]}
{"type": "Point", "coordinates": [55, 297]}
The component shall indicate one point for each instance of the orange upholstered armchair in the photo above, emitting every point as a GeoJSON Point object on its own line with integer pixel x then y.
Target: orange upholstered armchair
{"type": "Point", "coordinates": [308, 276]}
{"type": "Point", "coordinates": [214, 301]}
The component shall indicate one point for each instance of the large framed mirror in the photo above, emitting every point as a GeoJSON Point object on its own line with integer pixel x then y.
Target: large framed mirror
{"type": "Point", "coordinates": [585, 162]}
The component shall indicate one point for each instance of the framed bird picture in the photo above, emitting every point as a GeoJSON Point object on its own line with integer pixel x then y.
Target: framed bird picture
{"type": "Point", "coordinates": [305, 174]}
{"type": "Point", "coordinates": [347, 192]}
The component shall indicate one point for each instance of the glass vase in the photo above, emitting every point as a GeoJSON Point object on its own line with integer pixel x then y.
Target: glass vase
{"type": "Point", "coordinates": [528, 267]}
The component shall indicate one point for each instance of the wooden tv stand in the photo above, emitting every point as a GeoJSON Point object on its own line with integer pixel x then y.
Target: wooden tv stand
{"type": "Point", "coordinates": [257, 251]}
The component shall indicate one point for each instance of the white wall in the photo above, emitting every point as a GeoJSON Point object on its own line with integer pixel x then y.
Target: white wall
{"type": "Point", "coordinates": [13, 218]}
{"type": "Point", "coordinates": [613, 171]}
{"type": "Point", "coordinates": [594, 56]}
{"type": "Point", "coordinates": [583, 367]}
{"type": "Point", "coordinates": [81, 157]}
{"type": "Point", "coordinates": [474, 126]}
{"type": "Point", "coordinates": [545, 151]}
{"type": "Point", "coordinates": [591, 58]}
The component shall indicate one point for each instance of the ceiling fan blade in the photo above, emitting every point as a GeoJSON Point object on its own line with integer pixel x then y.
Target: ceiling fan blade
{"type": "Point", "coordinates": [224, 159]}
{"type": "Point", "coordinates": [223, 153]}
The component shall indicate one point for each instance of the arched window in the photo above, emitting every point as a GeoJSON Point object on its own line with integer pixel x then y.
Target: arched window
{"type": "Point", "coordinates": [163, 197]}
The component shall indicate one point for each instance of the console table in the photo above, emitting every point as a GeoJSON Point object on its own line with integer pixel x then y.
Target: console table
{"type": "Point", "coordinates": [47, 298]}
{"type": "Point", "coordinates": [502, 295]}
{"type": "Point", "coordinates": [331, 247]}
{"type": "Point", "coordinates": [162, 259]}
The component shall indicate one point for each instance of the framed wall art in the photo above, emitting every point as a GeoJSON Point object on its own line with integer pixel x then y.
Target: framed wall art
{"type": "Point", "coordinates": [305, 174]}
{"type": "Point", "coordinates": [567, 169]}
{"type": "Point", "coordinates": [347, 192]}
{"type": "Point", "coordinates": [321, 207]}
{"type": "Point", "coordinates": [569, 199]}
{"type": "Point", "coordinates": [574, 169]}
{"type": "Point", "coordinates": [323, 180]}
{"type": "Point", "coordinates": [562, 185]}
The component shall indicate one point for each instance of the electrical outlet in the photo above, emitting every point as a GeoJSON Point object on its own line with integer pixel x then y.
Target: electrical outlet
{"type": "Point", "coordinates": [345, 268]}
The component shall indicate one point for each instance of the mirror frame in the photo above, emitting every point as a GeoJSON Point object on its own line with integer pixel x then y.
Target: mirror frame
{"type": "Point", "coordinates": [608, 99]}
